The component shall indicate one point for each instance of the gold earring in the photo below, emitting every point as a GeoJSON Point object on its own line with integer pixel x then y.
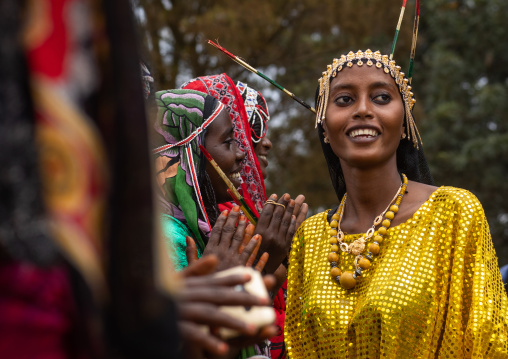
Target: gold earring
{"type": "Point", "coordinates": [326, 139]}
{"type": "Point", "coordinates": [403, 135]}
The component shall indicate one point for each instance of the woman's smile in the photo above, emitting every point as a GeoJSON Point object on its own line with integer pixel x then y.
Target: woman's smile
{"type": "Point", "coordinates": [363, 134]}
{"type": "Point", "coordinates": [364, 116]}
{"type": "Point", "coordinates": [236, 178]}
{"type": "Point", "coordinates": [225, 151]}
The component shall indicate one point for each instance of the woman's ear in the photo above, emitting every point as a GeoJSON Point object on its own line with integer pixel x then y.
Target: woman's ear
{"type": "Point", "coordinates": [325, 139]}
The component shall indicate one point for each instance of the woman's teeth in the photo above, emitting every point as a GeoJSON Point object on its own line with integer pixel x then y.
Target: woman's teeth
{"type": "Point", "coordinates": [235, 176]}
{"type": "Point", "coordinates": [363, 132]}
{"type": "Point", "coordinates": [262, 157]}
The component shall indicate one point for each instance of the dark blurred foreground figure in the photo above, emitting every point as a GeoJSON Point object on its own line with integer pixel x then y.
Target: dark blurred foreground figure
{"type": "Point", "coordinates": [45, 304]}
{"type": "Point", "coordinates": [78, 278]}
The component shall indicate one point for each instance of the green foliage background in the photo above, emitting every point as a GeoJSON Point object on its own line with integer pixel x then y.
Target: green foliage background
{"type": "Point", "coordinates": [460, 80]}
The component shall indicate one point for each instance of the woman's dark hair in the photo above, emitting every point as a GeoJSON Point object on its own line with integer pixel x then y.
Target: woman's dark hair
{"type": "Point", "coordinates": [211, 206]}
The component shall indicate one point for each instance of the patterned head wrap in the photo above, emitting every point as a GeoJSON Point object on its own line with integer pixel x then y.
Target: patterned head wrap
{"type": "Point", "coordinates": [257, 111]}
{"type": "Point", "coordinates": [182, 118]}
{"type": "Point", "coordinates": [223, 88]}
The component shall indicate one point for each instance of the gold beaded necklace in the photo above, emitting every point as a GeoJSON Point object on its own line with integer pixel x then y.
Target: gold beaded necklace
{"type": "Point", "coordinates": [357, 247]}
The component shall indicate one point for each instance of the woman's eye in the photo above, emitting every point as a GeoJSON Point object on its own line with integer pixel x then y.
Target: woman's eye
{"type": "Point", "coordinates": [231, 143]}
{"type": "Point", "coordinates": [343, 100]}
{"type": "Point", "coordinates": [383, 98]}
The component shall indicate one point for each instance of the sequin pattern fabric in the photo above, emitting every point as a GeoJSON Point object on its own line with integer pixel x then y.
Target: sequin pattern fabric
{"type": "Point", "coordinates": [434, 291]}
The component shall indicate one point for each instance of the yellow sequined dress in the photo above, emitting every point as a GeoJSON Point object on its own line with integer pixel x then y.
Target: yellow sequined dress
{"type": "Point", "coordinates": [434, 290]}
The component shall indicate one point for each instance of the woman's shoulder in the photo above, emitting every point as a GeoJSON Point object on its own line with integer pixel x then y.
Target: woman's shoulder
{"type": "Point", "coordinates": [426, 193]}
{"type": "Point", "coordinates": [459, 196]}
{"type": "Point", "coordinates": [173, 228]}
{"type": "Point", "coordinates": [315, 219]}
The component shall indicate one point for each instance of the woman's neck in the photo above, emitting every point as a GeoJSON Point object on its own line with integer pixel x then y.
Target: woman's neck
{"type": "Point", "coordinates": [369, 192]}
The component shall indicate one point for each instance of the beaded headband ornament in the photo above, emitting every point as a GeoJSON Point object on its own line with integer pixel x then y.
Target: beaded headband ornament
{"type": "Point", "coordinates": [370, 59]}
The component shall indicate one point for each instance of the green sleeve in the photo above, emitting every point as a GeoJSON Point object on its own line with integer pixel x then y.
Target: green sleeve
{"type": "Point", "coordinates": [174, 233]}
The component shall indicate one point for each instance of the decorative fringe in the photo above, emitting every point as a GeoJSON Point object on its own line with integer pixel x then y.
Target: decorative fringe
{"type": "Point", "coordinates": [412, 131]}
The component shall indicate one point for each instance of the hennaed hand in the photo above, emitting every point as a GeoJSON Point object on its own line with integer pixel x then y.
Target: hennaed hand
{"type": "Point", "coordinates": [227, 237]}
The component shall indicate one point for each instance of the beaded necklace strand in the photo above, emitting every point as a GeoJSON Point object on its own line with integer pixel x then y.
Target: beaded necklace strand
{"type": "Point", "coordinates": [362, 262]}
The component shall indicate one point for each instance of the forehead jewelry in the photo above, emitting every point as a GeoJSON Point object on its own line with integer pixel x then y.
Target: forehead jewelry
{"type": "Point", "coordinates": [347, 279]}
{"type": "Point", "coordinates": [381, 62]}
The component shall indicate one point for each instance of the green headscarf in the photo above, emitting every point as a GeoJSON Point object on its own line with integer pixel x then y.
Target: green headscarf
{"type": "Point", "coordinates": [182, 117]}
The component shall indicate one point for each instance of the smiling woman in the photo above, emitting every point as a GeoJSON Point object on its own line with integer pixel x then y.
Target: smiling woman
{"type": "Point", "coordinates": [249, 112]}
{"type": "Point", "coordinates": [399, 268]}
{"type": "Point", "coordinates": [224, 89]}
{"type": "Point", "coordinates": [190, 190]}
{"type": "Point", "coordinates": [221, 145]}
{"type": "Point", "coordinates": [365, 116]}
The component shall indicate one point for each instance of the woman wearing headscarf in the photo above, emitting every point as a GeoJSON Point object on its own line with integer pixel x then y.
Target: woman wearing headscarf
{"type": "Point", "coordinates": [275, 240]}
{"type": "Point", "coordinates": [400, 268]}
{"type": "Point", "coordinates": [190, 190]}
{"type": "Point", "coordinates": [223, 89]}
{"type": "Point", "coordinates": [249, 112]}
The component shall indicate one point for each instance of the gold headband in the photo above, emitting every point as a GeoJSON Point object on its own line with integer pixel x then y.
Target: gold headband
{"type": "Point", "coordinates": [369, 58]}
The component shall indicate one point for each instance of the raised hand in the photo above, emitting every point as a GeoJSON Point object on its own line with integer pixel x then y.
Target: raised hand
{"type": "Point", "coordinates": [300, 211]}
{"type": "Point", "coordinates": [249, 232]}
{"type": "Point", "coordinates": [227, 241]}
{"type": "Point", "coordinates": [277, 225]}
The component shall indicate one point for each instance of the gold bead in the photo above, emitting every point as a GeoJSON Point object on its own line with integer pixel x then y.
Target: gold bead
{"type": "Point", "coordinates": [373, 248]}
{"type": "Point", "coordinates": [382, 231]}
{"type": "Point", "coordinates": [336, 216]}
{"type": "Point", "coordinates": [347, 280]}
{"type": "Point", "coordinates": [335, 272]}
{"type": "Point", "coordinates": [378, 239]}
{"type": "Point", "coordinates": [394, 208]}
{"type": "Point", "coordinates": [333, 257]}
{"type": "Point", "coordinates": [386, 223]}
{"type": "Point", "coordinates": [390, 215]}
{"type": "Point", "coordinates": [332, 232]}
{"type": "Point", "coordinates": [334, 248]}
{"type": "Point", "coordinates": [364, 263]}
{"type": "Point", "coordinates": [334, 224]}
{"type": "Point", "coordinates": [333, 240]}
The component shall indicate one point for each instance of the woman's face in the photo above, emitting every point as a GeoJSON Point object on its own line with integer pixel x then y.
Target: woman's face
{"type": "Point", "coordinates": [261, 150]}
{"type": "Point", "coordinates": [259, 127]}
{"type": "Point", "coordinates": [364, 117]}
{"type": "Point", "coordinates": [219, 142]}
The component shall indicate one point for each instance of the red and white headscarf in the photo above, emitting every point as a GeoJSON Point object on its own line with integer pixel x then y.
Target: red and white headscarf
{"type": "Point", "coordinates": [224, 89]}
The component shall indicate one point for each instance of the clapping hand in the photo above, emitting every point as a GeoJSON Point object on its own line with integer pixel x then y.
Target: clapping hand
{"type": "Point", "coordinates": [277, 225]}
{"type": "Point", "coordinates": [233, 243]}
